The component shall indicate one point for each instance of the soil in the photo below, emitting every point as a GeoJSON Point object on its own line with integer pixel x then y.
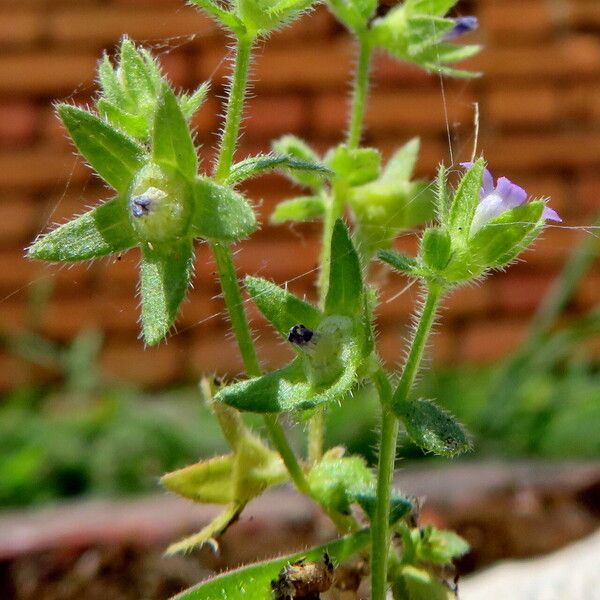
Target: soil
{"type": "Point", "coordinates": [114, 550]}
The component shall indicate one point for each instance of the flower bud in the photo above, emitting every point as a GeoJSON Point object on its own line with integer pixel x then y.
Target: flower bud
{"type": "Point", "coordinates": [160, 205]}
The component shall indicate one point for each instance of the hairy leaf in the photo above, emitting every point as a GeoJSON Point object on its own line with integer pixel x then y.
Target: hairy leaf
{"type": "Point", "coordinates": [165, 274]}
{"type": "Point", "coordinates": [302, 208]}
{"type": "Point", "coordinates": [220, 213]}
{"type": "Point", "coordinates": [191, 103]}
{"type": "Point", "coordinates": [101, 231]}
{"type": "Point", "coordinates": [466, 199]}
{"type": "Point", "coordinates": [113, 155]}
{"type": "Point", "coordinates": [399, 505]}
{"type": "Point", "coordinates": [432, 428]}
{"type": "Point", "coordinates": [344, 294]}
{"type": "Point", "coordinates": [280, 307]}
{"type": "Point", "coordinates": [290, 145]}
{"type": "Point", "coordinates": [209, 481]}
{"type": "Point", "coordinates": [398, 261]}
{"type": "Point", "coordinates": [253, 582]}
{"type": "Point", "coordinates": [256, 165]}
{"type": "Point", "coordinates": [172, 144]}
{"type": "Point", "coordinates": [135, 125]}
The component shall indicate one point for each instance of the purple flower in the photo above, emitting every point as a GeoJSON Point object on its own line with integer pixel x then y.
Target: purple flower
{"type": "Point", "coordinates": [494, 200]}
{"type": "Point", "coordinates": [461, 25]}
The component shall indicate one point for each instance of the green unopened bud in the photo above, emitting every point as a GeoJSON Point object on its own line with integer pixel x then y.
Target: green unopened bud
{"type": "Point", "coordinates": [261, 16]}
{"type": "Point", "coordinates": [436, 248]}
{"type": "Point", "coordinates": [160, 205]}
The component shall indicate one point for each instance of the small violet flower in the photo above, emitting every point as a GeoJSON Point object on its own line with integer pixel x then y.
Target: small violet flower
{"type": "Point", "coordinates": [494, 200]}
{"type": "Point", "coordinates": [462, 25]}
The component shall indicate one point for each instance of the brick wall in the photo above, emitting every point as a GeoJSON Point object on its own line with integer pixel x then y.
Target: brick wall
{"type": "Point", "coordinates": [540, 125]}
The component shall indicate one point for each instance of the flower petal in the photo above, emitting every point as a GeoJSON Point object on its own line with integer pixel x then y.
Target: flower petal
{"type": "Point", "coordinates": [511, 194]}
{"type": "Point", "coordinates": [551, 214]}
{"type": "Point", "coordinates": [462, 25]}
{"type": "Point", "coordinates": [490, 206]}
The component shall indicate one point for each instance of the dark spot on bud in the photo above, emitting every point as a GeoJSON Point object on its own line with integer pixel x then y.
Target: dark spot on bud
{"type": "Point", "coordinates": [141, 205]}
{"type": "Point", "coordinates": [300, 335]}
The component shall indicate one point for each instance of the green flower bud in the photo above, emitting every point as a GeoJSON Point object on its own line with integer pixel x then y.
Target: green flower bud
{"type": "Point", "coordinates": [435, 248]}
{"type": "Point", "coordinates": [160, 205]}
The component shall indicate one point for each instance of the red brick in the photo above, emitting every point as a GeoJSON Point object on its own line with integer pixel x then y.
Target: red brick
{"type": "Point", "coordinates": [526, 20]}
{"type": "Point", "coordinates": [20, 27]}
{"type": "Point", "coordinates": [46, 73]}
{"type": "Point", "coordinates": [15, 373]}
{"type": "Point", "coordinates": [18, 215]}
{"type": "Point", "coordinates": [581, 104]}
{"type": "Point", "coordinates": [588, 192]}
{"type": "Point", "coordinates": [217, 353]}
{"type": "Point", "coordinates": [520, 292]}
{"type": "Point", "coordinates": [575, 57]}
{"type": "Point", "coordinates": [18, 123]}
{"type": "Point", "coordinates": [489, 341]}
{"type": "Point", "coordinates": [541, 105]}
{"type": "Point", "coordinates": [583, 13]}
{"type": "Point", "coordinates": [40, 168]}
{"type": "Point", "coordinates": [105, 25]}
{"type": "Point", "coordinates": [303, 68]}
{"type": "Point", "coordinates": [271, 116]}
{"type": "Point", "coordinates": [16, 272]}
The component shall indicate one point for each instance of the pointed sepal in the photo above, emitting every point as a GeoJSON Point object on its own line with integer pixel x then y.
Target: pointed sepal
{"type": "Point", "coordinates": [220, 213]}
{"type": "Point", "coordinates": [113, 155]}
{"type": "Point", "coordinates": [103, 230]}
{"type": "Point", "coordinates": [165, 273]}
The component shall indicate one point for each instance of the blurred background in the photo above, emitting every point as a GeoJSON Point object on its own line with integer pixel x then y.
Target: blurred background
{"type": "Point", "coordinates": [87, 410]}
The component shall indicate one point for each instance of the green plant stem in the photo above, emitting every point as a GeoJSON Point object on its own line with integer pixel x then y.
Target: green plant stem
{"type": "Point", "coordinates": [241, 329]}
{"type": "Point", "coordinates": [389, 435]}
{"type": "Point", "coordinates": [224, 258]}
{"type": "Point", "coordinates": [418, 343]}
{"type": "Point", "coordinates": [380, 531]}
{"type": "Point", "coordinates": [334, 210]}
{"type": "Point", "coordinates": [360, 90]}
{"type": "Point", "coordinates": [235, 106]}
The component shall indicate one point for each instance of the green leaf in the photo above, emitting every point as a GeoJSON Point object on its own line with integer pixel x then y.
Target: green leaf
{"type": "Point", "coordinates": [439, 546]}
{"type": "Point", "coordinates": [220, 213]}
{"type": "Point", "coordinates": [190, 104]}
{"type": "Point", "coordinates": [401, 165]}
{"type": "Point", "coordinates": [134, 125]}
{"type": "Point", "coordinates": [466, 199]}
{"type": "Point", "coordinates": [101, 231]}
{"type": "Point", "coordinates": [209, 481]}
{"type": "Point", "coordinates": [253, 582]}
{"type": "Point", "coordinates": [442, 197]}
{"type": "Point", "coordinates": [139, 79]}
{"type": "Point", "coordinates": [256, 165]}
{"type": "Point", "coordinates": [354, 165]}
{"type": "Point", "coordinates": [223, 17]}
{"type": "Point", "coordinates": [287, 389]}
{"type": "Point", "coordinates": [399, 505]}
{"type": "Point", "coordinates": [109, 82]}
{"type": "Point", "coordinates": [165, 274]}
{"type": "Point", "coordinates": [506, 236]}
{"type": "Point", "coordinates": [425, 30]}
{"type": "Point", "coordinates": [432, 428]}
{"type": "Point", "coordinates": [172, 144]}
{"type": "Point", "coordinates": [344, 294]}
{"type": "Point", "coordinates": [416, 583]}
{"type": "Point", "coordinates": [215, 528]}
{"type": "Point", "coordinates": [113, 155]}
{"type": "Point", "coordinates": [336, 482]}
{"type": "Point", "coordinates": [290, 145]}
{"type": "Point", "coordinates": [302, 208]}
{"type": "Point", "coordinates": [400, 262]}
{"type": "Point", "coordinates": [354, 14]}
{"type": "Point", "coordinates": [282, 309]}
{"type": "Point", "coordinates": [431, 7]}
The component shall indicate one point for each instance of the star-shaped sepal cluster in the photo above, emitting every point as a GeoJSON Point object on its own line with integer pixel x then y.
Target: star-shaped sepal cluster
{"type": "Point", "coordinates": [160, 206]}
{"type": "Point", "coordinates": [482, 226]}
{"type": "Point", "coordinates": [333, 346]}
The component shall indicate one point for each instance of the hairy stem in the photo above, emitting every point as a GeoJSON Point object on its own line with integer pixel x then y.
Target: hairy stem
{"type": "Point", "coordinates": [418, 343]}
{"type": "Point", "coordinates": [360, 90]}
{"type": "Point", "coordinates": [224, 258]}
{"type": "Point", "coordinates": [239, 322]}
{"type": "Point", "coordinates": [235, 106]}
{"type": "Point", "coordinates": [380, 530]}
